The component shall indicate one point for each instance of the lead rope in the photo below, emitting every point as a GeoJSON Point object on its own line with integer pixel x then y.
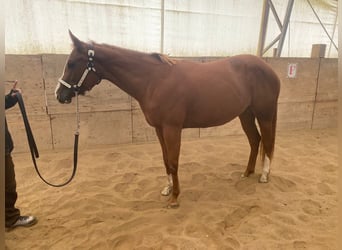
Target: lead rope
{"type": "Point", "coordinates": [77, 115]}
{"type": "Point", "coordinates": [77, 133]}
{"type": "Point", "coordinates": [34, 149]}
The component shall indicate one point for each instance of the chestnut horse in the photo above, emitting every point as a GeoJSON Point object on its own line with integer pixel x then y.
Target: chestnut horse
{"type": "Point", "coordinates": [177, 94]}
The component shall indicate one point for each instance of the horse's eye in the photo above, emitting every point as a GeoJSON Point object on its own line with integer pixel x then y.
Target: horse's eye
{"type": "Point", "coordinates": [71, 65]}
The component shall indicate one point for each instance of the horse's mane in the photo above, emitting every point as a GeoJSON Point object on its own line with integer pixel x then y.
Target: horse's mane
{"type": "Point", "coordinates": [160, 57]}
{"type": "Point", "coordinates": [164, 58]}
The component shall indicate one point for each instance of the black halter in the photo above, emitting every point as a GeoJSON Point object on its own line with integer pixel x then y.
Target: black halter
{"type": "Point", "coordinates": [90, 67]}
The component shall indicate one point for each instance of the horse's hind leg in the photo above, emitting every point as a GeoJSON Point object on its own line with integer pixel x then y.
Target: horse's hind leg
{"type": "Point", "coordinates": [247, 120]}
{"type": "Point", "coordinates": [267, 129]}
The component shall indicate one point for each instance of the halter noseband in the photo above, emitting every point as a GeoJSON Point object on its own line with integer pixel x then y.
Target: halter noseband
{"type": "Point", "coordinates": [90, 67]}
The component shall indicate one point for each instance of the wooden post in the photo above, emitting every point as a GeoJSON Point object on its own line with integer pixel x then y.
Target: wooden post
{"type": "Point", "coordinates": [318, 50]}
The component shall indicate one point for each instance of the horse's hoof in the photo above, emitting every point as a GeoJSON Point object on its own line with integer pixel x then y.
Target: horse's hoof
{"type": "Point", "coordinates": [166, 191]}
{"type": "Point", "coordinates": [263, 179]}
{"type": "Point", "coordinates": [246, 174]}
{"type": "Point", "coordinates": [173, 205]}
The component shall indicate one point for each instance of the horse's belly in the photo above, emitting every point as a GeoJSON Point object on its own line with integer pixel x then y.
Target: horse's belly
{"type": "Point", "coordinates": [212, 116]}
{"type": "Point", "coordinates": [206, 123]}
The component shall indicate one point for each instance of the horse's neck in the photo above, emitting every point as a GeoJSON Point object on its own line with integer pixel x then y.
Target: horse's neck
{"type": "Point", "coordinates": [126, 69]}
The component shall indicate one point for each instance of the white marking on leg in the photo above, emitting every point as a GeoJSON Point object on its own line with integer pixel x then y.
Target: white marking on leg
{"type": "Point", "coordinates": [265, 170]}
{"type": "Point", "coordinates": [168, 189]}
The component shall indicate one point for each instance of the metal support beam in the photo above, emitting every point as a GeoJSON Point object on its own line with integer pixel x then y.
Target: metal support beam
{"type": "Point", "coordinates": [275, 15]}
{"type": "Point", "coordinates": [263, 27]}
{"type": "Point", "coordinates": [325, 30]}
{"type": "Point", "coordinates": [162, 25]}
{"type": "Point", "coordinates": [333, 33]}
{"type": "Point", "coordinates": [284, 29]}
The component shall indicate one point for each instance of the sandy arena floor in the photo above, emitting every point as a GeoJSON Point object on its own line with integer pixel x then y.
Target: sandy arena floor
{"type": "Point", "coordinates": [114, 201]}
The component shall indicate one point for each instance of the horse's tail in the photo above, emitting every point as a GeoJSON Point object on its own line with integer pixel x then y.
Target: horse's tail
{"type": "Point", "coordinates": [272, 137]}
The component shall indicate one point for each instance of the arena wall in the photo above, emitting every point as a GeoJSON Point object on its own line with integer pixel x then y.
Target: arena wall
{"type": "Point", "coordinates": [110, 116]}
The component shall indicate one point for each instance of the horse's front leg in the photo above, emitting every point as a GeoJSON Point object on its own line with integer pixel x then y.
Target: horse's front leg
{"type": "Point", "coordinates": [166, 191]}
{"type": "Point", "coordinates": [171, 142]}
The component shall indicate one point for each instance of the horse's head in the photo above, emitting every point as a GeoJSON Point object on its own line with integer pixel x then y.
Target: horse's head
{"type": "Point", "coordinates": [79, 74]}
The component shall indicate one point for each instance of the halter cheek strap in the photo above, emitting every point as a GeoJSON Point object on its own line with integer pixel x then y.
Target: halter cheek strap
{"type": "Point", "coordinates": [90, 67]}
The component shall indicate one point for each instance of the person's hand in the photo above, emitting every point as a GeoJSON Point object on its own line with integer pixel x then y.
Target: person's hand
{"type": "Point", "coordinates": [14, 89]}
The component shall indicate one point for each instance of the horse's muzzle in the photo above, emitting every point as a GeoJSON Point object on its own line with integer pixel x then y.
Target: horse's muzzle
{"type": "Point", "coordinates": [64, 98]}
{"type": "Point", "coordinates": [66, 101]}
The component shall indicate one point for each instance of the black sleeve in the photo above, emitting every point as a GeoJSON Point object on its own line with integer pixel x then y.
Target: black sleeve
{"type": "Point", "coordinates": [10, 100]}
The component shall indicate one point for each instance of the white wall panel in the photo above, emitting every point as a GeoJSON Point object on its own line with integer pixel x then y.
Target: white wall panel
{"type": "Point", "coordinates": [215, 28]}
{"type": "Point", "coordinates": [191, 27]}
{"type": "Point", "coordinates": [42, 26]}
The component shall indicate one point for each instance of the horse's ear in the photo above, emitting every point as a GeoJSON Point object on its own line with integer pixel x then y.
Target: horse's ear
{"type": "Point", "coordinates": [77, 43]}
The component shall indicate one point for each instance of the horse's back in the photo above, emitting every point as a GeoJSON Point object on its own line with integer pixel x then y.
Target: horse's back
{"type": "Point", "coordinates": [245, 69]}
{"type": "Point", "coordinates": [237, 77]}
{"type": "Point", "coordinates": [254, 70]}
{"type": "Point", "coordinates": [213, 93]}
